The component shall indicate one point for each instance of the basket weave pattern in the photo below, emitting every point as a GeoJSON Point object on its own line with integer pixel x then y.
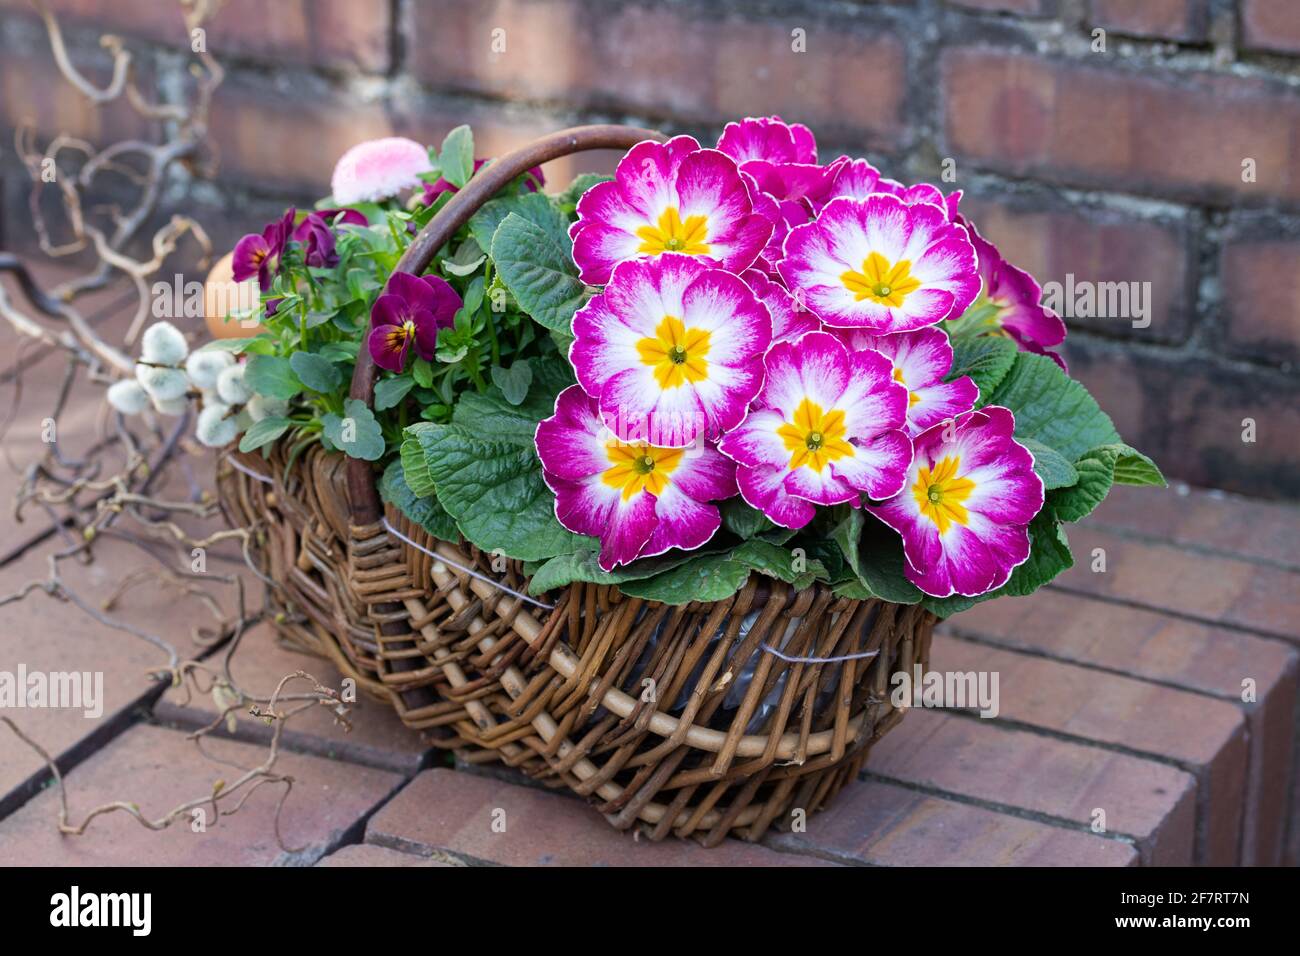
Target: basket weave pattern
{"type": "Point", "coordinates": [620, 700]}
{"type": "Point", "coordinates": [689, 720]}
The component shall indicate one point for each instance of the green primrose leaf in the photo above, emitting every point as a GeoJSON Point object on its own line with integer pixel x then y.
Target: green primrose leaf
{"type": "Point", "coordinates": [986, 359]}
{"type": "Point", "coordinates": [538, 271]}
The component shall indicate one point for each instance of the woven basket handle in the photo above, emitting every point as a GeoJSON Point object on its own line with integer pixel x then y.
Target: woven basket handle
{"type": "Point", "coordinates": [363, 496]}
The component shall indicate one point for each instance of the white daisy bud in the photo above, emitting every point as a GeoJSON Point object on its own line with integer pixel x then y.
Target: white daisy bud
{"type": "Point", "coordinates": [171, 406]}
{"type": "Point", "coordinates": [163, 344]}
{"type": "Point", "coordinates": [204, 367]}
{"type": "Point", "coordinates": [260, 406]}
{"type": "Point", "coordinates": [128, 397]}
{"type": "Point", "coordinates": [162, 383]}
{"type": "Point", "coordinates": [214, 429]}
{"type": "Point", "coordinates": [231, 387]}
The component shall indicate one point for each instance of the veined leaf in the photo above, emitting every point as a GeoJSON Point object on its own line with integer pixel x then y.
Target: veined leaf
{"type": "Point", "coordinates": [986, 359]}
{"type": "Point", "coordinates": [1052, 408]}
{"type": "Point", "coordinates": [538, 272]}
{"type": "Point", "coordinates": [424, 510]}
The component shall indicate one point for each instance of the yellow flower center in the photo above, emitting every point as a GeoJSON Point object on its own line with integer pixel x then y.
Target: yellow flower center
{"type": "Point", "coordinates": [815, 437]}
{"type": "Point", "coordinates": [940, 493]}
{"type": "Point", "coordinates": [670, 234]}
{"type": "Point", "coordinates": [636, 467]}
{"type": "Point", "coordinates": [676, 353]}
{"type": "Point", "coordinates": [881, 282]}
{"type": "Point", "coordinates": [399, 335]}
{"type": "Point", "coordinates": [912, 397]}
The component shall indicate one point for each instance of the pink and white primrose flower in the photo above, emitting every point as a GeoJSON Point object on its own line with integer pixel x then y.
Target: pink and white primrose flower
{"type": "Point", "coordinates": [881, 264]}
{"type": "Point", "coordinates": [639, 499]}
{"type": "Point", "coordinates": [858, 179]}
{"type": "Point", "coordinates": [1015, 297]}
{"type": "Point", "coordinates": [668, 197]}
{"type": "Point", "coordinates": [827, 428]}
{"type": "Point", "coordinates": [768, 138]}
{"type": "Point", "coordinates": [788, 320]}
{"type": "Point", "coordinates": [671, 349]}
{"type": "Point", "coordinates": [921, 360]}
{"type": "Point", "coordinates": [968, 499]}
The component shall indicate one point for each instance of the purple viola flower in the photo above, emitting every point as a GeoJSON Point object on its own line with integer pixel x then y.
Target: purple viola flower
{"type": "Point", "coordinates": [255, 253]}
{"type": "Point", "coordinates": [433, 190]}
{"type": "Point", "coordinates": [318, 239]}
{"type": "Point", "coordinates": [411, 311]}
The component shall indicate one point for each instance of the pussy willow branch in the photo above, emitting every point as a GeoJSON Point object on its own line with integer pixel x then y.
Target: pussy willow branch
{"type": "Point", "coordinates": [84, 497]}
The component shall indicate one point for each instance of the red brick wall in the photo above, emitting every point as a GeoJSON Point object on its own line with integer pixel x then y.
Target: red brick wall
{"type": "Point", "coordinates": [1122, 164]}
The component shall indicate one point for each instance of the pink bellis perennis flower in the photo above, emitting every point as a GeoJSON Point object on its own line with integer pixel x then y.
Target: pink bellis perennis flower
{"type": "Point", "coordinates": [827, 428]}
{"type": "Point", "coordinates": [410, 312]}
{"type": "Point", "coordinates": [966, 505]}
{"type": "Point", "coordinates": [433, 190]}
{"type": "Point", "coordinates": [639, 499]}
{"type": "Point", "coordinates": [1015, 300]}
{"type": "Point", "coordinates": [255, 254]}
{"type": "Point", "coordinates": [671, 350]}
{"type": "Point", "coordinates": [668, 197]}
{"type": "Point", "coordinates": [378, 169]}
{"type": "Point", "coordinates": [921, 360]}
{"type": "Point", "coordinates": [880, 264]}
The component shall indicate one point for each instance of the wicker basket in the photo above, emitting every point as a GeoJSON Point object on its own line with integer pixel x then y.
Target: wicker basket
{"type": "Point", "coordinates": [684, 719]}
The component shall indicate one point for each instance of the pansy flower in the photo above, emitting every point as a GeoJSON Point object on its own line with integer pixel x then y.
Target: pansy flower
{"type": "Point", "coordinates": [378, 169]}
{"type": "Point", "coordinates": [255, 253]}
{"type": "Point", "coordinates": [432, 191]}
{"type": "Point", "coordinates": [1015, 297]}
{"type": "Point", "coordinates": [639, 499]}
{"type": "Point", "coordinates": [966, 505]}
{"type": "Point", "coordinates": [788, 320]}
{"type": "Point", "coordinates": [668, 197]}
{"type": "Point", "coordinates": [318, 240]}
{"type": "Point", "coordinates": [881, 264]}
{"type": "Point", "coordinates": [921, 360]}
{"type": "Point", "coordinates": [410, 312]}
{"type": "Point", "coordinates": [672, 349]}
{"type": "Point", "coordinates": [827, 428]}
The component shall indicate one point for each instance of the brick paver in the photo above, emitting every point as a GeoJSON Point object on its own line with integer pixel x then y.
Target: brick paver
{"type": "Point", "coordinates": [1242, 594]}
{"type": "Point", "coordinates": [1151, 803]}
{"type": "Point", "coordinates": [485, 820]}
{"type": "Point", "coordinates": [883, 824]}
{"type": "Point", "coordinates": [1159, 649]}
{"type": "Point", "coordinates": [1205, 521]}
{"type": "Point", "coordinates": [377, 738]}
{"type": "Point", "coordinates": [159, 769]}
{"type": "Point", "coordinates": [1204, 736]}
{"type": "Point", "coordinates": [43, 634]}
{"type": "Point", "coordinates": [367, 855]}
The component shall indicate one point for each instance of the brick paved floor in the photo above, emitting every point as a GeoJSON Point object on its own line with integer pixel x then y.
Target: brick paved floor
{"type": "Point", "coordinates": [1159, 694]}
